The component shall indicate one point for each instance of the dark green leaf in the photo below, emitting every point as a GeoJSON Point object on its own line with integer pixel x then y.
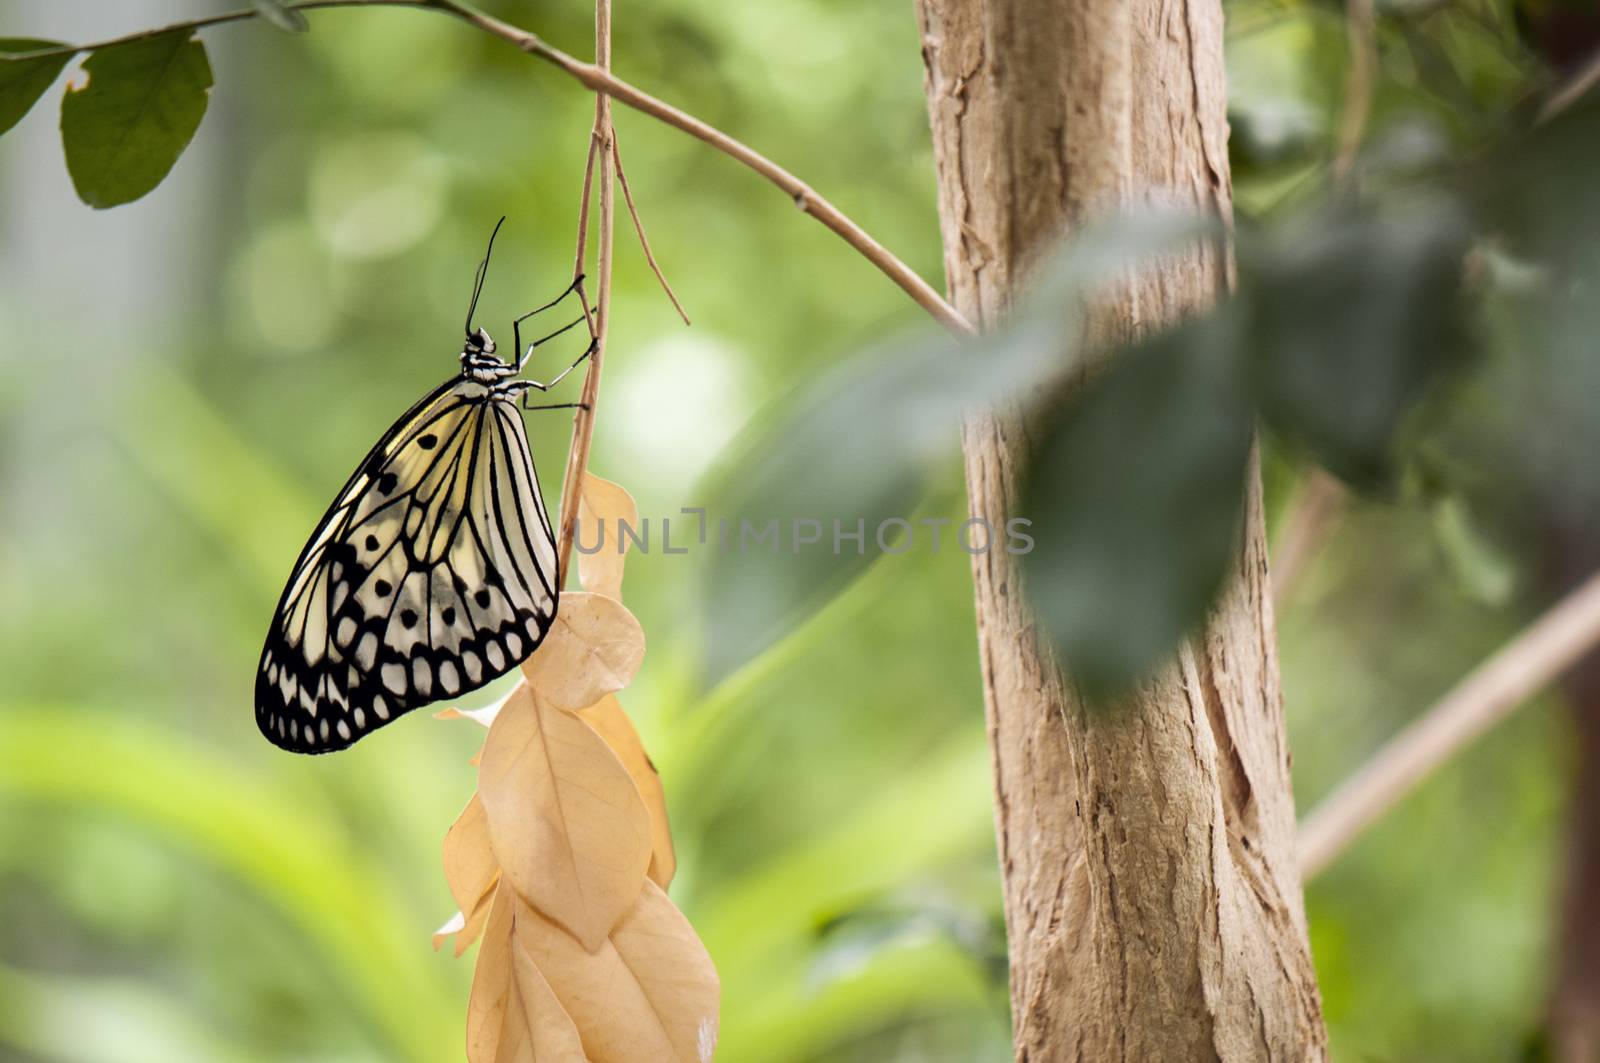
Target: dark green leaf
{"type": "Point", "coordinates": [124, 131]}
{"type": "Point", "coordinates": [857, 445]}
{"type": "Point", "coordinates": [24, 80]}
{"type": "Point", "coordinates": [1353, 316]}
{"type": "Point", "coordinates": [1135, 494]}
{"type": "Point", "coordinates": [281, 15]}
{"type": "Point", "coordinates": [848, 452]}
{"type": "Point", "coordinates": [1539, 194]}
{"type": "Point", "coordinates": [1539, 191]}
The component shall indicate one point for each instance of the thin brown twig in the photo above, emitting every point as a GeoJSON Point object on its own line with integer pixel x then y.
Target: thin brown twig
{"type": "Point", "coordinates": [1487, 695]}
{"type": "Point", "coordinates": [1311, 516]}
{"type": "Point", "coordinates": [1360, 76]}
{"type": "Point", "coordinates": [599, 79]}
{"type": "Point", "coordinates": [600, 146]}
{"type": "Point", "coordinates": [638, 227]}
{"type": "Point", "coordinates": [1571, 91]}
{"type": "Point", "coordinates": [207, 21]}
{"type": "Point", "coordinates": [580, 259]}
{"type": "Point", "coordinates": [582, 255]}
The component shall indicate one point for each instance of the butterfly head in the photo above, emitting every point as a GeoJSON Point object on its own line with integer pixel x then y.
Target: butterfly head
{"type": "Point", "coordinates": [478, 359]}
{"type": "Point", "coordinates": [479, 342]}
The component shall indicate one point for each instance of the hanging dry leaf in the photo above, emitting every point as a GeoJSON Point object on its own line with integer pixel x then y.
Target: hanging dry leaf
{"type": "Point", "coordinates": [649, 993]}
{"type": "Point", "coordinates": [546, 1029]}
{"type": "Point", "coordinates": [609, 720]}
{"type": "Point", "coordinates": [565, 820]}
{"type": "Point", "coordinates": [469, 865]}
{"type": "Point", "coordinates": [612, 723]}
{"type": "Point", "coordinates": [593, 648]}
{"type": "Point", "coordinates": [466, 928]}
{"type": "Point", "coordinates": [512, 1015]}
{"type": "Point", "coordinates": [491, 983]}
{"type": "Point", "coordinates": [471, 872]}
{"type": "Point", "coordinates": [603, 508]}
{"type": "Point", "coordinates": [454, 925]}
{"type": "Point", "coordinates": [484, 715]}
{"type": "Point", "coordinates": [662, 951]}
{"type": "Point", "coordinates": [584, 958]}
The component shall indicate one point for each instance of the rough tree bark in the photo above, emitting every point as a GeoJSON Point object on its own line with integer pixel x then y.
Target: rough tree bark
{"type": "Point", "coordinates": [1153, 901]}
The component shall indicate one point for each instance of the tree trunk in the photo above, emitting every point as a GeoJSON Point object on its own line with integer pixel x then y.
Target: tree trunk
{"type": "Point", "coordinates": [1575, 1010]}
{"type": "Point", "coordinates": [1571, 555]}
{"type": "Point", "coordinates": [1152, 895]}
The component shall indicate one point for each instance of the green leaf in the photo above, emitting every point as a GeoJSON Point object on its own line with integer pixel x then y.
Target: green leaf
{"type": "Point", "coordinates": [1135, 496]}
{"type": "Point", "coordinates": [1353, 316]}
{"type": "Point", "coordinates": [281, 15]}
{"type": "Point", "coordinates": [124, 131]}
{"type": "Point", "coordinates": [856, 446]}
{"type": "Point", "coordinates": [24, 80]}
{"type": "Point", "coordinates": [846, 452]}
{"type": "Point", "coordinates": [1538, 190]}
{"type": "Point", "coordinates": [1538, 193]}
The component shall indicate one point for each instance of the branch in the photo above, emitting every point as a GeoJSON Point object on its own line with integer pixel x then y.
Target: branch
{"type": "Point", "coordinates": [1577, 87]}
{"type": "Point", "coordinates": [638, 227]}
{"type": "Point", "coordinates": [1525, 665]}
{"type": "Point", "coordinates": [1311, 515]}
{"type": "Point", "coordinates": [1359, 78]}
{"type": "Point", "coordinates": [601, 147]}
{"type": "Point", "coordinates": [599, 79]}
{"type": "Point", "coordinates": [222, 19]}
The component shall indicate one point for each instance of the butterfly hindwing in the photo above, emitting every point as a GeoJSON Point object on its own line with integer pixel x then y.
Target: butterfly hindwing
{"type": "Point", "coordinates": [432, 574]}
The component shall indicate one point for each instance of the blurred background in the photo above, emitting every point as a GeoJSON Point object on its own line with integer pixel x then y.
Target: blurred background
{"type": "Point", "coordinates": [185, 382]}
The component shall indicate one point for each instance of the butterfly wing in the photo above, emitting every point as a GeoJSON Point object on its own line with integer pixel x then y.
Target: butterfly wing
{"type": "Point", "coordinates": [432, 574]}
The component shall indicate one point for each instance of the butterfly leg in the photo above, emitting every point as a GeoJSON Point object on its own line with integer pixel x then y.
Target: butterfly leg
{"type": "Point", "coordinates": [554, 405]}
{"type": "Point", "coordinates": [516, 326]}
{"type": "Point", "coordinates": [524, 385]}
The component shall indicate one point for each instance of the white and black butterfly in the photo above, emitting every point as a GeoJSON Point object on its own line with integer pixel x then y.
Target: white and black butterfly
{"type": "Point", "coordinates": [433, 572]}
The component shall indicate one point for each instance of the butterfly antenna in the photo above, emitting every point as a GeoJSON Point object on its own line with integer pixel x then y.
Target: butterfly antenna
{"type": "Point", "coordinates": [483, 272]}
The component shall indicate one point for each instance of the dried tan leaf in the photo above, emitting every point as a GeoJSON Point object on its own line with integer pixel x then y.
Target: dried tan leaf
{"type": "Point", "coordinates": [469, 865]}
{"type": "Point", "coordinates": [607, 717]}
{"type": "Point", "coordinates": [491, 983]}
{"type": "Point", "coordinates": [565, 821]}
{"type": "Point", "coordinates": [551, 1033]}
{"type": "Point", "coordinates": [584, 958]}
{"type": "Point", "coordinates": [512, 1015]}
{"type": "Point", "coordinates": [472, 925]}
{"type": "Point", "coordinates": [471, 873]}
{"type": "Point", "coordinates": [648, 993]}
{"type": "Point", "coordinates": [484, 716]}
{"type": "Point", "coordinates": [663, 952]}
{"type": "Point", "coordinates": [454, 925]}
{"type": "Point", "coordinates": [602, 508]}
{"type": "Point", "coordinates": [466, 928]}
{"type": "Point", "coordinates": [593, 649]}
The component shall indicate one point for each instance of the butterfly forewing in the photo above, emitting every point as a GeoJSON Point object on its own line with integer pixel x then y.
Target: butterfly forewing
{"type": "Point", "coordinates": [432, 573]}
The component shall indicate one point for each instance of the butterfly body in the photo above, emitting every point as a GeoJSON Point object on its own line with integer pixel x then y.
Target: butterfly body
{"type": "Point", "coordinates": [433, 573]}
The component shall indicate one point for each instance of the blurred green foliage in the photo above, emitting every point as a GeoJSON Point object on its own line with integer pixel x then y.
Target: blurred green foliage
{"type": "Point", "coordinates": [185, 381]}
